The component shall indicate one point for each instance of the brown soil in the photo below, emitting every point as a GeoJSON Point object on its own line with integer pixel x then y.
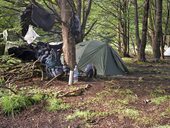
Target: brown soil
{"type": "Point", "coordinates": [142, 80]}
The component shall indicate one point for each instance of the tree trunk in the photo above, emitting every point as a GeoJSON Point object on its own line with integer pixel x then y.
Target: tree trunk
{"type": "Point", "coordinates": [144, 32]}
{"type": "Point", "coordinates": [124, 28]}
{"type": "Point", "coordinates": [68, 40]}
{"type": "Point", "coordinates": [83, 17]}
{"type": "Point", "coordinates": [158, 31]}
{"type": "Point", "coordinates": [138, 40]}
{"type": "Point", "coordinates": [166, 29]}
{"type": "Point", "coordinates": [119, 39]}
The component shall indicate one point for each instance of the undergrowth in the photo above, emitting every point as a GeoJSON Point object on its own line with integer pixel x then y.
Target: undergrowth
{"type": "Point", "coordinates": [11, 104]}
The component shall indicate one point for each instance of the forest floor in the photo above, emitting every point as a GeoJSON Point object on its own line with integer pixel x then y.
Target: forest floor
{"type": "Point", "coordinates": [140, 99]}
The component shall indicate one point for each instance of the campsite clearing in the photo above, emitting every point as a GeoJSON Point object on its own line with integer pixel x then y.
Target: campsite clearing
{"type": "Point", "coordinates": [139, 99]}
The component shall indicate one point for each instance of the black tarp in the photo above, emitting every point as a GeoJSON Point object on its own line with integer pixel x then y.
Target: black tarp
{"type": "Point", "coordinates": [37, 16]}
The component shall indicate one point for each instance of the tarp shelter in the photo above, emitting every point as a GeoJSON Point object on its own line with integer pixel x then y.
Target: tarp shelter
{"type": "Point", "coordinates": [37, 16]}
{"type": "Point", "coordinates": [167, 52]}
{"type": "Point", "coordinates": [105, 59]}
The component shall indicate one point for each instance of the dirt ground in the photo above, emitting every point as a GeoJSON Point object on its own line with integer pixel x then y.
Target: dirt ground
{"type": "Point", "coordinates": [140, 99]}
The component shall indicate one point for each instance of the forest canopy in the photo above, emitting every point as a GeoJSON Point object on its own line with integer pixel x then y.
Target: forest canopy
{"type": "Point", "coordinates": [132, 27]}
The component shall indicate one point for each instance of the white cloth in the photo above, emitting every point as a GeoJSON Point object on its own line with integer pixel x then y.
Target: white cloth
{"type": "Point", "coordinates": [31, 35]}
{"type": "Point", "coordinates": [5, 35]}
{"type": "Point", "coordinates": [167, 52]}
{"type": "Point", "coordinates": [55, 43]}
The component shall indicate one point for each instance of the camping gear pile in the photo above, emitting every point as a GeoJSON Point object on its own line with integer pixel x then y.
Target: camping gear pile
{"type": "Point", "coordinates": [49, 56]}
{"type": "Point", "coordinates": [92, 57]}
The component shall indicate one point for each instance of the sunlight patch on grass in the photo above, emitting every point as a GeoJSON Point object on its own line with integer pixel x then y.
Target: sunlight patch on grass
{"type": "Point", "coordinates": [87, 115]}
{"type": "Point", "coordinates": [166, 113]}
{"type": "Point", "coordinates": [55, 104]}
{"type": "Point", "coordinates": [81, 114]}
{"type": "Point", "coordinates": [128, 60]}
{"type": "Point", "coordinates": [37, 97]}
{"type": "Point", "coordinates": [158, 92]}
{"type": "Point", "coordinates": [130, 113]}
{"type": "Point", "coordinates": [160, 100]}
{"type": "Point", "coordinates": [162, 126]}
{"type": "Point", "coordinates": [145, 120]}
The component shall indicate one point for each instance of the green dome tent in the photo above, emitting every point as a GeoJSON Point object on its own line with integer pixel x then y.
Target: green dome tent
{"type": "Point", "coordinates": [104, 58]}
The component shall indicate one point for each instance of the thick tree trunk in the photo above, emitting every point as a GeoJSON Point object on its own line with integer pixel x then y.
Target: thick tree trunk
{"type": "Point", "coordinates": [144, 32]}
{"type": "Point", "coordinates": [158, 31]}
{"type": "Point", "coordinates": [68, 40]}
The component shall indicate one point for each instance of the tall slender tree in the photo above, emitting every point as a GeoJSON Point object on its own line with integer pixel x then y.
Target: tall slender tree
{"type": "Point", "coordinates": [166, 27]}
{"type": "Point", "coordinates": [144, 32]}
{"type": "Point", "coordinates": [138, 40]}
{"type": "Point", "coordinates": [158, 31]}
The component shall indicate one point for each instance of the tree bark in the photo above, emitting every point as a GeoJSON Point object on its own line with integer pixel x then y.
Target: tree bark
{"type": "Point", "coordinates": [68, 40]}
{"type": "Point", "coordinates": [165, 30]}
{"type": "Point", "coordinates": [144, 32]}
{"type": "Point", "coordinates": [124, 26]}
{"type": "Point", "coordinates": [158, 31]}
{"type": "Point", "coordinates": [81, 7]}
{"type": "Point", "coordinates": [138, 40]}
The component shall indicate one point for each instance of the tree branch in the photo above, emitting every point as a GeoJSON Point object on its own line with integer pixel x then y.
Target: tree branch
{"type": "Point", "coordinates": [11, 8]}
{"type": "Point", "coordinates": [90, 28]}
{"type": "Point", "coordinates": [86, 14]}
{"type": "Point", "coordinates": [58, 17]}
{"type": "Point", "coordinates": [5, 87]}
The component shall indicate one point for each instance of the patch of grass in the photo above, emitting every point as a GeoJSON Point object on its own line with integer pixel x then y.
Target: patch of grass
{"type": "Point", "coordinates": [158, 92]}
{"type": "Point", "coordinates": [9, 60]}
{"type": "Point", "coordinates": [55, 104]}
{"type": "Point", "coordinates": [160, 100]}
{"type": "Point", "coordinates": [81, 114]}
{"type": "Point", "coordinates": [37, 97]}
{"type": "Point", "coordinates": [127, 60]}
{"type": "Point", "coordinates": [145, 120]}
{"type": "Point", "coordinates": [12, 104]}
{"type": "Point", "coordinates": [2, 81]}
{"type": "Point", "coordinates": [162, 126]}
{"type": "Point", "coordinates": [166, 113]}
{"type": "Point", "coordinates": [129, 112]}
